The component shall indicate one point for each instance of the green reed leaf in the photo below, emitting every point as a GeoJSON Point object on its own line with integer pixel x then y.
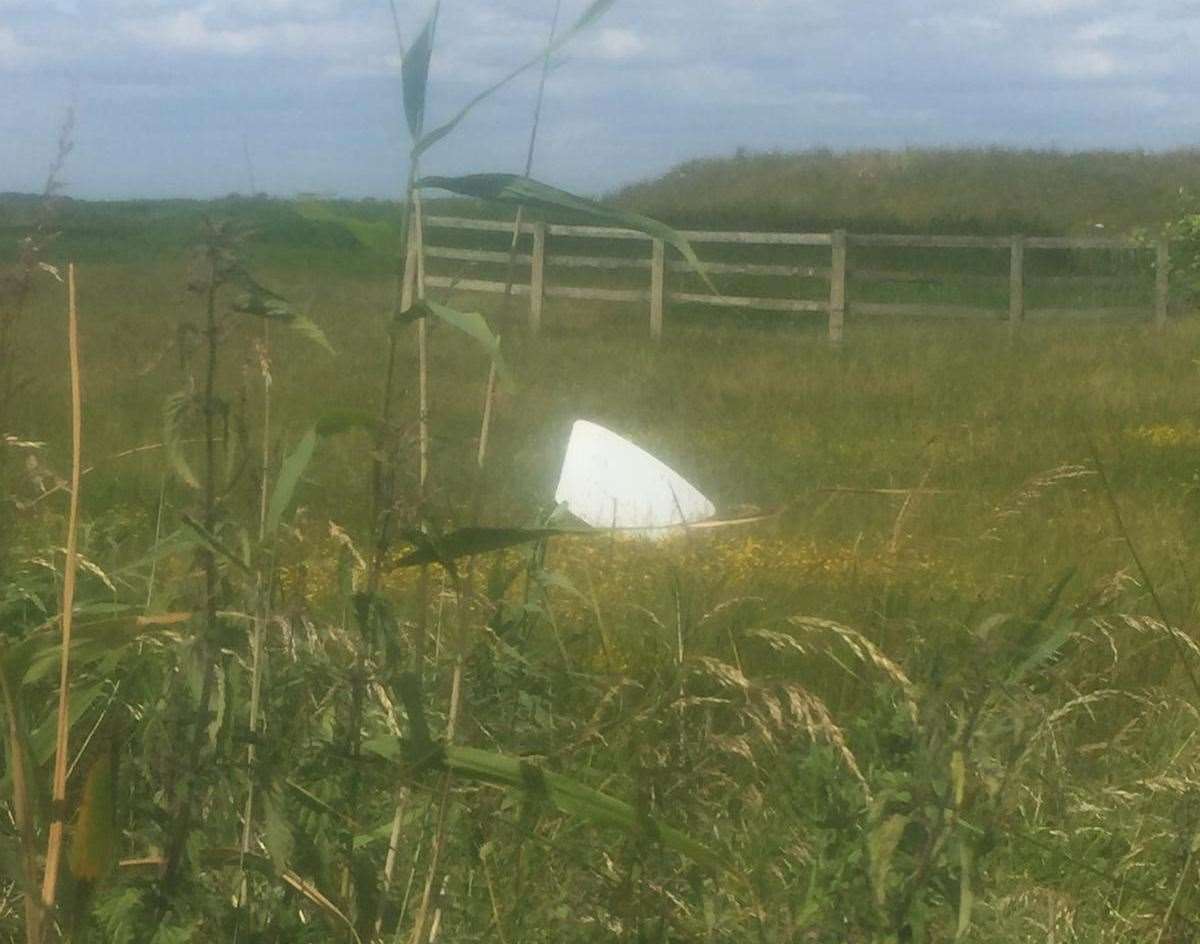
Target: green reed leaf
{"type": "Point", "coordinates": [93, 852]}
{"type": "Point", "coordinates": [470, 323]}
{"type": "Point", "coordinates": [576, 799]}
{"type": "Point", "coordinates": [175, 412]}
{"type": "Point", "coordinates": [290, 472]}
{"type": "Point", "coordinates": [590, 16]}
{"type": "Point", "coordinates": [467, 542]}
{"type": "Point", "coordinates": [296, 462]}
{"type": "Point", "coordinates": [522, 191]}
{"type": "Point", "coordinates": [414, 72]}
{"type": "Point", "coordinates": [378, 236]}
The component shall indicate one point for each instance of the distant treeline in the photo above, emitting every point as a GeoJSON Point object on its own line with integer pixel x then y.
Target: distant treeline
{"type": "Point", "coordinates": [984, 191]}
{"type": "Point", "coordinates": [987, 191]}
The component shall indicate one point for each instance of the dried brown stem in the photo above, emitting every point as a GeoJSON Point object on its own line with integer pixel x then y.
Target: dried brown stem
{"type": "Point", "coordinates": [62, 738]}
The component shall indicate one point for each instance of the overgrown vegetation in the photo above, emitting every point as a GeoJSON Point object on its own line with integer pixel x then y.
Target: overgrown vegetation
{"type": "Point", "coordinates": [995, 191]}
{"type": "Point", "coordinates": [331, 678]}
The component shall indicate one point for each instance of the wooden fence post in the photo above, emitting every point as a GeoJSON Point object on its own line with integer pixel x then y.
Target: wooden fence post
{"type": "Point", "coordinates": [537, 279]}
{"type": "Point", "coordinates": [658, 288]}
{"type": "Point", "coordinates": [1016, 282]}
{"type": "Point", "coordinates": [1162, 283]}
{"type": "Point", "coordinates": [837, 287]}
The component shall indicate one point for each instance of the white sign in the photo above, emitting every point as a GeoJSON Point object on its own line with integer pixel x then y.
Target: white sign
{"type": "Point", "coordinates": [608, 482]}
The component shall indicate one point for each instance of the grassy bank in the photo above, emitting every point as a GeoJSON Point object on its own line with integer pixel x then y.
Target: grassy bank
{"type": "Point", "coordinates": [971, 191]}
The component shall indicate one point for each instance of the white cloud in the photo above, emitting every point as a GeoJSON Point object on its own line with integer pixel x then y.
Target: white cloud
{"type": "Point", "coordinates": [962, 26]}
{"type": "Point", "coordinates": [1085, 64]}
{"type": "Point", "coordinates": [1051, 7]}
{"type": "Point", "coordinates": [13, 54]}
{"type": "Point", "coordinates": [187, 30]}
{"type": "Point", "coordinates": [616, 44]}
{"type": "Point", "coordinates": [675, 76]}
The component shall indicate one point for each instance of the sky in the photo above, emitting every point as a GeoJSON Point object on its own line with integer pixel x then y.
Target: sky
{"type": "Point", "coordinates": [208, 97]}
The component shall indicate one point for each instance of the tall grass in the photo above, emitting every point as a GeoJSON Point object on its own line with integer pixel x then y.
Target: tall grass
{"type": "Point", "coordinates": [929, 698]}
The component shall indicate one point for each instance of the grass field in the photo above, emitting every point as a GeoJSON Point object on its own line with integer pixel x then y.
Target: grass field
{"type": "Point", "coordinates": [893, 714]}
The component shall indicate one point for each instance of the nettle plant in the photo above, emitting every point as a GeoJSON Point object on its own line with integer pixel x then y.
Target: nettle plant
{"type": "Point", "coordinates": [1184, 233]}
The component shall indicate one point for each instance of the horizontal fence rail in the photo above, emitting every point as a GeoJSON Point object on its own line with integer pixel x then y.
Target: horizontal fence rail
{"type": "Point", "coordinates": [540, 262]}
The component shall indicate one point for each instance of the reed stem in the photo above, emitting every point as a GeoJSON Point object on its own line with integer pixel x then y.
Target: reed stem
{"type": "Point", "coordinates": [62, 738]}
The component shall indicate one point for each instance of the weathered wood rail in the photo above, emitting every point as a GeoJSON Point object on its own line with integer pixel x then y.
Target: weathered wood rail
{"type": "Point", "coordinates": [658, 295]}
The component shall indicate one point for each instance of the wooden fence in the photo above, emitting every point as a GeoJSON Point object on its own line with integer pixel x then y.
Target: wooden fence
{"type": "Point", "coordinates": [657, 295]}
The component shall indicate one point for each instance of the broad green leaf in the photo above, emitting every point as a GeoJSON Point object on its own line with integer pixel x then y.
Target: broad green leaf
{"type": "Point", "coordinates": [589, 16]}
{"type": "Point", "coordinates": [177, 542]}
{"type": "Point", "coordinates": [378, 236]}
{"type": "Point", "coordinates": [1044, 652]}
{"type": "Point", "coordinates": [958, 777]}
{"type": "Point", "coordinates": [226, 857]}
{"type": "Point", "coordinates": [466, 542]}
{"type": "Point", "coordinates": [43, 740]}
{"type": "Point", "coordinates": [881, 849]}
{"type": "Point", "coordinates": [260, 301]}
{"type": "Point", "coordinates": [420, 743]}
{"type": "Point", "coordinates": [175, 411]}
{"type": "Point", "coordinates": [289, 477]}
{"type": "Point", "coordinates": [1053, 596]}
{"type": "Point", "coordinates": [277, 833]}
{"type": "Point", "coordinates": [470, 323]}
{"type": "Point", "coordinates": [345, 421]}
{"type": "Point", "coordinates": [307, 328]}
{"type": "Point", "coordinates": [26, 790]}
{"type": "Point", "coordinates": [93, 852]}
{"type": "Point", "coordinates": [531, 194]}
{"type": "Point", "coordinates": [257, 299]}
{"type": "Point", "coordinates": [575, 799]}
{"type": "Point", "coordinates": [297, 461]}
{"type": "Point", "coordinates": [214, 543]}
{"type": "Point", "coordinates": [414, 72]}
{"type": "Point", "coordinates": [966, 894]}
{"type": "Point", "coordinates": [37, 656]}
{"type": "Point", "coordinates": [594, 12]}
{"type": "Point", "coordinates": [11, 862]}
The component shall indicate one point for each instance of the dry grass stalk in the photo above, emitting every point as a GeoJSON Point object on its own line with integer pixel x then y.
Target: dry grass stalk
{"type": "Point", "coordinates": [61, 749]}
{"type": "Point", "coordinates": [533, 135]}
{"type": "Point", "coordinates": [894, 544]}
{"type": "Point", "coordinates": [422, 342]}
